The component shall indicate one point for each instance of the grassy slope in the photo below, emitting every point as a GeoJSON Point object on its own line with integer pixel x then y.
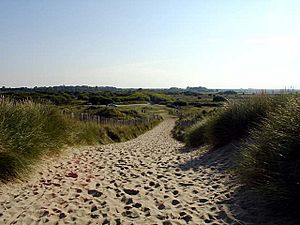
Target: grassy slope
{"type": "Point", "coordinates": [232, 122]}
{"type": "Point", "coordinates": [268, 130]}
{"type": "Point", "coordinates": [29, 131]}
{"type": "Point", "coordinates": [270, 157]}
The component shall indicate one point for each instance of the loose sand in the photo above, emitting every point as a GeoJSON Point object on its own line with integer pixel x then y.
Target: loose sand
{"type": "Point", "coordinates": [148, 180]}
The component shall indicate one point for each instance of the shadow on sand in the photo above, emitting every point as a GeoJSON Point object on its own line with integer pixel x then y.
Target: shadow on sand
{"type": "Point", "coordinates": [242, 205]}
{"type": "Point", "coordinates": [220, 159]}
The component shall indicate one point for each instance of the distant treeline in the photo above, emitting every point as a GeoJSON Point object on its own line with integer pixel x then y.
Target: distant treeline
{"type": "Point", "coordinates": [91, 98]}
{"type": "Point", "coordinates": [85, 95]}
{"type": "Point", "coordinates": [61, 88]}
{"type": "Point", "coordinates": [85, 88]}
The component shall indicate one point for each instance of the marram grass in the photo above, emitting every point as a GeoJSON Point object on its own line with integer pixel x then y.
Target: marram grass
{"type": "Point", "coordinates": [270, 157]}
{"type": "Point", "coordinates": [233, 121]}
{"type": "Point", "coordinates": [30, 130]}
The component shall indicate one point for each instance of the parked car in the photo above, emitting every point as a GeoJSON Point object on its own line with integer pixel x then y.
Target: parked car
{"type": "Point", "coordinates": [112, 105]}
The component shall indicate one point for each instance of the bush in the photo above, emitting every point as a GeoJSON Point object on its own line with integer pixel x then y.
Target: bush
{"type": "Point", "coordinates": [99, 100]}
{"type": "Point", "coordinates": [157, 98]}
{"type": "Point", "coordinates": [109, 112]}
{"type": "Point", "coordinates": [179, 103]}
{"type": "Point", "coordinates": [270, 158]}
{"type": "Point", "coordinates": [219, 98]}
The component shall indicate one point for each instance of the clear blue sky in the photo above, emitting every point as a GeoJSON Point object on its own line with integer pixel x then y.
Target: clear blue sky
{"type": "Point", "coordinates": [150, 43]}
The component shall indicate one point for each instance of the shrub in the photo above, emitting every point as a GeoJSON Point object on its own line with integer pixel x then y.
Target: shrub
{"type": "Point", "coordinates": [109, 112]}
{"type": "Point", "coordinates": [219, 98]}
{"type": "Point", "coordinates": [270, 158]}
{"type": "Point", "coordinates": [179, 103]}
{"type": "Point", "coordinates": [157, 98]}
{"type": "Point", "coordinates": [99, 100]}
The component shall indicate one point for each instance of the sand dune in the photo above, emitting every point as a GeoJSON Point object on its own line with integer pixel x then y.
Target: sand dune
{"type": "Point", "coordinates": [148, 180]}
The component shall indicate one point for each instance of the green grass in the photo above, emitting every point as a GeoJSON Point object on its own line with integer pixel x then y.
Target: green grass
{"type": "Point", "coordinates": [29, 130]}
{"type": "Point", "coordinates": [196, 135]}
{"type": "Point", "coordinates": [188, 117]}
{"type": "Point", "coordinates": [267, 129]}
{"type": "Point", "coordinates": [233, 121]}
{"type": "Point", "coordinates": [270, 157]}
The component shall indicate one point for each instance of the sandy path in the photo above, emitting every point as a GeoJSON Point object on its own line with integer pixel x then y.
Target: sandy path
{"type": "Point", "coordinates": [147, 180]}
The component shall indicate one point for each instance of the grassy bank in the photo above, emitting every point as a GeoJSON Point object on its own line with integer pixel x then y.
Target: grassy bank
{"type": "Point", "coordinates": [29, 131]}
{"type": "Point", "coordinates": [232, 122]}
{"type": "Point", "coordinates": [270, 157]}
{"type": "Point", "coordinates": [267, 129]}
{"type": "Point", "coordinates": [189, 116]}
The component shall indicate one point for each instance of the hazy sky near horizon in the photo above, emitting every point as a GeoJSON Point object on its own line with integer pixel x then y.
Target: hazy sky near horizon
{"type": "Point", "coordinates": [150, 43]}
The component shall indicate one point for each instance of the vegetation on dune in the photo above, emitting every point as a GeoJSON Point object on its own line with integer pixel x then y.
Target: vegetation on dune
{"type": "Point", "coordinates": [189, 118]}
{"type": "Point", "coordinates": [27, 130]}
{"type": "Point", "coordinates": [268, 130]}
{"type": "Point", "coordinates": [117, 113]}
{"type": "Point", "coordinates": [196, 135]}
{"type": "Point", "coordinates": [94, 98]}
{"type": "Point", "coordinates": [266, 126]}
{"type": "Point", "coordinates": [232, 122]}
{"type": "Point", "coordinates": [270, 157]}
{"type": "Point", "coordinates": [30, 130]}
{"type": "Point", "coordinates": [82, 96]}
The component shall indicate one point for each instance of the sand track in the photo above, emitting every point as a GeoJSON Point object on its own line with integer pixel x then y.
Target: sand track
{"type": "Point", "coordinates": [148, 180]}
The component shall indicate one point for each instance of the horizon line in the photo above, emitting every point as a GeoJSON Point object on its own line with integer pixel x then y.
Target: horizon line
{"type": "Point", "coordinates": [137, 87]}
